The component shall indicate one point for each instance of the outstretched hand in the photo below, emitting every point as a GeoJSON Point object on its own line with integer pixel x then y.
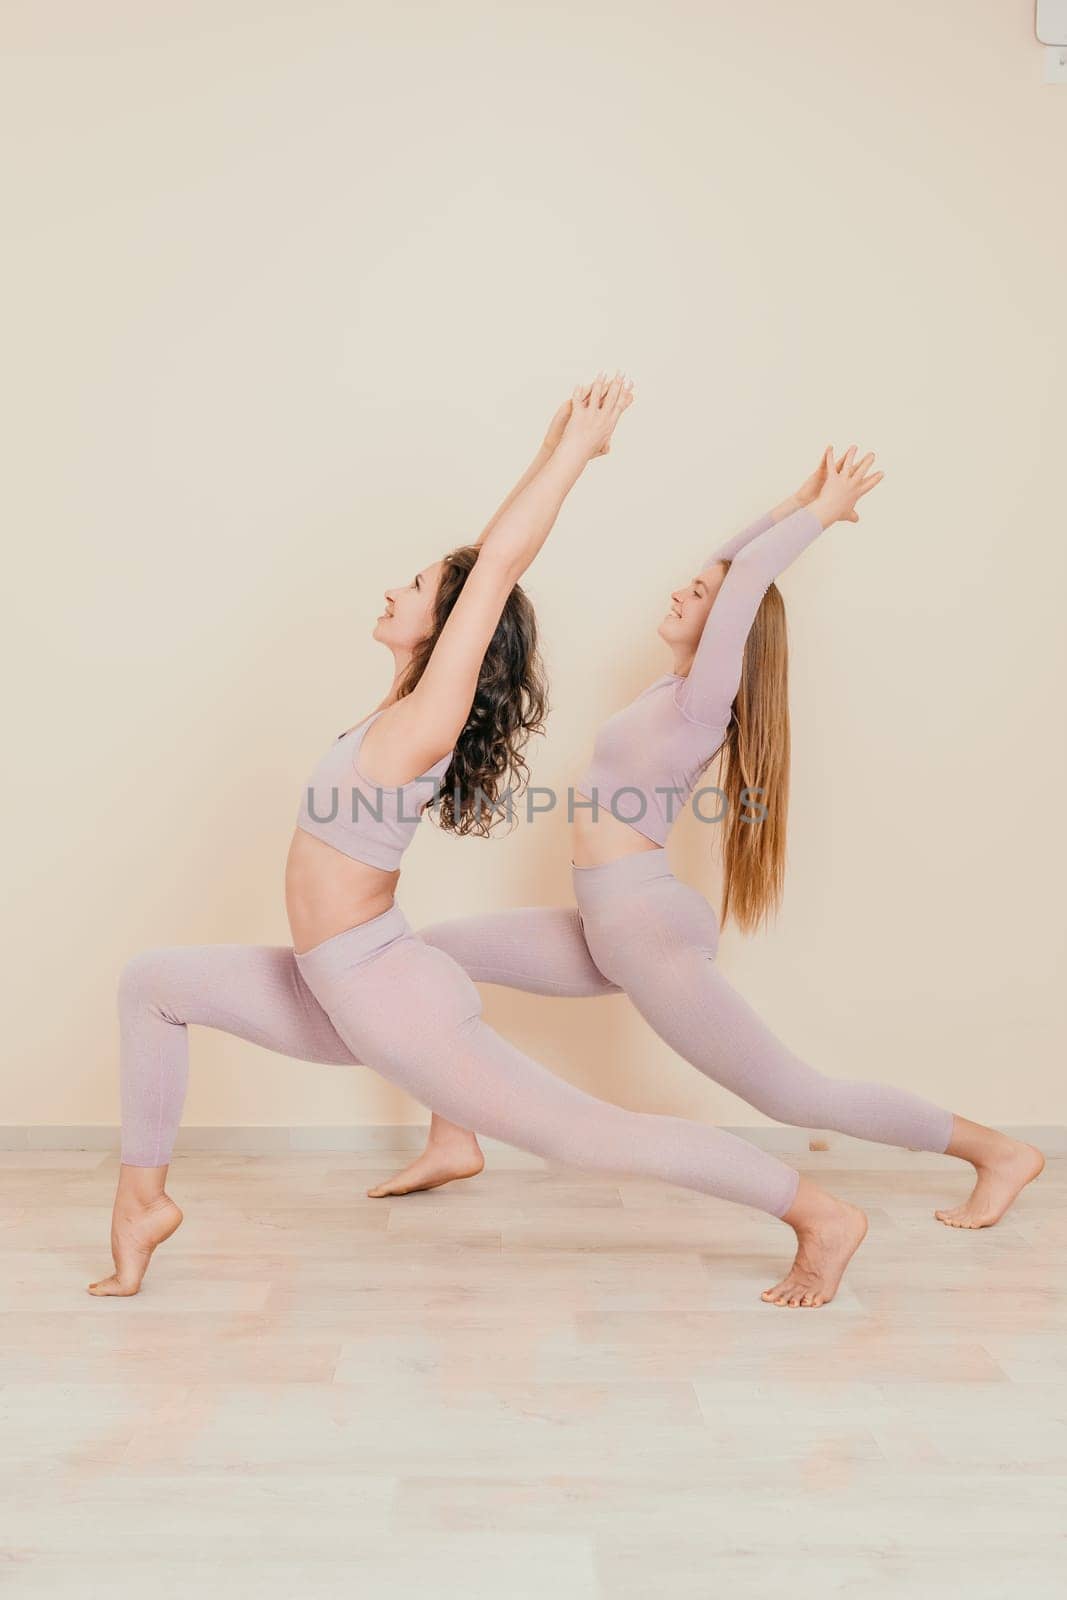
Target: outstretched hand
{"type": "Point", "coordinates": [557, 426]}
{"type": "Point", "coordinates": [841, 484]}
{"type": "Point", "coordinates": [594, 411]}
{"type": "Point", "coordinates": [811, 487]}
{"type": "Point", "coordinates": [560, 420]}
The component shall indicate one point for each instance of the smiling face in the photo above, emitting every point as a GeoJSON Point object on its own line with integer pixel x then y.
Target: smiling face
{"type": "Point", "coordinates": [408, 615]}
{"type": "Point", "coordinates": [688, 611]}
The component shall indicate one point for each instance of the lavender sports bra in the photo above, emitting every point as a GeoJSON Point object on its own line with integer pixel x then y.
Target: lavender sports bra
{"type": "Point", "coordinates": [647, 759]}
{"type": "Point", "coordinates": [370, 822]}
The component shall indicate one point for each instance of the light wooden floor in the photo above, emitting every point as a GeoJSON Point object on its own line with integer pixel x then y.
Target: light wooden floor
{"type": "Point", "coordinates": [534, 1386]}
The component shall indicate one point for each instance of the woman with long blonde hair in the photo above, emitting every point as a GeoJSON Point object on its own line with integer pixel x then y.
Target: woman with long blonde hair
{"type": "Point", "coordinates": [637, 930]}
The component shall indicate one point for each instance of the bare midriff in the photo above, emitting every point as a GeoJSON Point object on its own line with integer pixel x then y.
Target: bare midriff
{"type": "Point", "coordinates": [595, 842]}
{"type": "Point", "coordinates": [327, 892]}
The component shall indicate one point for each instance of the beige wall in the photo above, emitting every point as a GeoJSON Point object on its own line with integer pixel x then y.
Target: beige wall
{"type": "Point", "coordinates": [293, 290]}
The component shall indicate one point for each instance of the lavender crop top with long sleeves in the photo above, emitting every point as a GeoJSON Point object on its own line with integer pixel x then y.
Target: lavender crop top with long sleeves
{"type": "Point", "coordinates": [648, 757]}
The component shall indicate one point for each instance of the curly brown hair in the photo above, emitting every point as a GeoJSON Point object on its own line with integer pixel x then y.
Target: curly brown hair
{"type": "Point", "coordinates": [510, 703]}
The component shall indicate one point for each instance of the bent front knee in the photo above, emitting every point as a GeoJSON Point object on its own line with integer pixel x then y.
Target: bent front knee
{"type": "Point", "coordinates": [141, 980]}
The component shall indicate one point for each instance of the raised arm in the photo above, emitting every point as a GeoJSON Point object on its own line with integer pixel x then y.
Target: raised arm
{"type": "Point", "coordinates": [553, 435]}
{"type": "Point", "coordinates": [428, 721]}
{"type": "Point", "coordinates": [708, 690]}
{"type": "Point", "coordinates": [804, 496]}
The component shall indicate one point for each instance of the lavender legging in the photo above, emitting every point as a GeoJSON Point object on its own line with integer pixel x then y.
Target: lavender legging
{"type": "Point", "coordinates": [379, 995]}
{"type": "Point", "coordinates": [639, 931]}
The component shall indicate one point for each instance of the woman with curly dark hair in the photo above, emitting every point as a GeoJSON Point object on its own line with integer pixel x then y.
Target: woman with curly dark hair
{"type": "Point", "coordinates": [467, 692]}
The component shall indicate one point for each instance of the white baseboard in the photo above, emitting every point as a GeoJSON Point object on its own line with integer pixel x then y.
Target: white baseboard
{"type": "Point", "coordinates": [829, 1149]}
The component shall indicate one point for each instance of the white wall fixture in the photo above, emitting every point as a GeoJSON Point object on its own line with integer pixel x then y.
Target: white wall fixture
{"type": "Point", "coordinates": [1051, 22]}
{"type": "Point", "coordinates": [1050, 25]}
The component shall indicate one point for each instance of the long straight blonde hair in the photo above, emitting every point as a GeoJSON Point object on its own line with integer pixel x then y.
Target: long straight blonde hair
{"type": "Point", "coordinates": [754, 773]}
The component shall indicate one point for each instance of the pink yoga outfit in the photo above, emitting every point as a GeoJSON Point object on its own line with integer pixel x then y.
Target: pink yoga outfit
{"type": "Point", "coordinates": [648, 758]}
{"type": "Point", "coordinates": [639, 932]}
{"type": "Point", "coordinates": [407, 1006]}
{"type": "Point", "coordinates": [376, 994]}
{"type": "Point", "coordinates": [371, 822]}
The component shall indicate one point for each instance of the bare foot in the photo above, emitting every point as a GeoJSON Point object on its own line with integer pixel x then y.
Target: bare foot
{"type": "Point", "coordinates": [438, 1164]}
{"type": "Point", "coordinates": [135, 1233]}
{"type": "Point", "coordinates": [1008, 1167]}
{"type": "Point", "coordinates": [828, 1236]}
